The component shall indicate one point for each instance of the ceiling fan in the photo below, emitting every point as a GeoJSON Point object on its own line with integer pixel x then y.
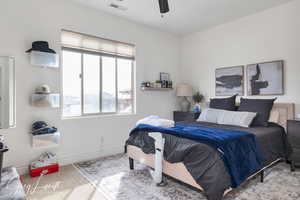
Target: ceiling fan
{"type": "Point", "coordinates": [163, 6]}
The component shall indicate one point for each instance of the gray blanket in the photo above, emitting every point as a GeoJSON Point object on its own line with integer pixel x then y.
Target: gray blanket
{"type": "Point", "coordinates": [204, 163]}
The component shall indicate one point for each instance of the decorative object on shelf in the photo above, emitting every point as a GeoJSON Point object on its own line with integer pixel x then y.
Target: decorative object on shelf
{"type": "Point", "coordinates": [42, 128]}
{"type": "Point", "coordinates": [198, 98]}
{"type": "Point", "coordinates": [164, 76]}
{"type": "Point", "coordinates": [44, 89]}
{"type": "Point", "coordinates": [43, 135]}
{"type": "Point", "coordinates": [163, 84]}
{"type": "Point", "coordinates": [7, 92]}
{"type": "Point", "coordinates": [166, 84]}
{"type": "Point", "coordinates": [41, 46]}
{"type": "Point", "coordinates": [144, 84]}
{"type": "Point", "coordinates": [44, 98]}
{"type": "Point", "coordinates": [42, 55]}
{"type": "Point", "coordinates": [230, 81]}
{"type": "Point", "coordinates": [47, 158]}
{"type": "Point", "coordinates": [265, 78]}
{"type": "Point", "coordinates": [156, 89]}
{"type": "Point", "coordinates": [158, 84]}
{"type": "Point", "coordinates": [184, 90]}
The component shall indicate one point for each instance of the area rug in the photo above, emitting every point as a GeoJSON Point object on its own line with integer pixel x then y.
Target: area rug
{"type": "Point", "coordinates": [111, 176]}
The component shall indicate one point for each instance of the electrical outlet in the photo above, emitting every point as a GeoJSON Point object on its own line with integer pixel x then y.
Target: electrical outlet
{"type": "Point", "coordinates": [101, 143]}
{"type": "Point", "coordinates": [101, 140]}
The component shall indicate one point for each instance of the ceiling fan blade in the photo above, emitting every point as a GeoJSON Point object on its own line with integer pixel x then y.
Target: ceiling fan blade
{"type": "Point", "coordinates": [163, 6]}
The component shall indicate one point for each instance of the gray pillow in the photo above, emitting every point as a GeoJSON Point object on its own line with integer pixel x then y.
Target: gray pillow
{"type": "Point", "coordinates": [262, 107]}
{"type": "Point", "coordinates": [223, 103]}
{"type": "Point", "coordinates": [235, 118]}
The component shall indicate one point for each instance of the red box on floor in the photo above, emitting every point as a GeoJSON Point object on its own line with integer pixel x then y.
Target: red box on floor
{"type": "Point", "coordinates": [35, 172]}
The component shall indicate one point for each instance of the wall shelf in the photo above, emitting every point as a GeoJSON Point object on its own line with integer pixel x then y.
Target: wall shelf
{"type": "Point", "coordinates": [50, 140]}
{"type": "Point", "coordinates": [43, 59]}
{"type": "Point", "coordinates": [156, 89]}
{"type": "Point", "coordinates": [45, 100]}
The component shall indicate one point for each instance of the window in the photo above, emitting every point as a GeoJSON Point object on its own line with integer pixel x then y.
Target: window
{"type": "Point", "coordinates": [96, 80]}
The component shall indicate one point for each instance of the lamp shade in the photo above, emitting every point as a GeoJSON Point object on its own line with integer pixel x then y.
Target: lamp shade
{"type": "Point", "coordinates": [184, 90]}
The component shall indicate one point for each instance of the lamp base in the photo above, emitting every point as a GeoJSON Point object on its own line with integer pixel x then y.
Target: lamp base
{"type": "Point", "coordinates": [185, 105]}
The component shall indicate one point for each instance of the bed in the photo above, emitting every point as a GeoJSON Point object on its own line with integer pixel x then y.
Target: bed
{"type": "Point", "coordinates": [208, 172]}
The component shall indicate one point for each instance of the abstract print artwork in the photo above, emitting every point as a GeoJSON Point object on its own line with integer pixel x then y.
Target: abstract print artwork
{"type": "Point", "coordinates": [265, 78]}
{"type": "Point", "coordinates": [230, 81]}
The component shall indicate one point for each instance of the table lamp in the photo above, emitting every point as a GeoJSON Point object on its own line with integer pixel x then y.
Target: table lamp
{"type": "Point", "coordinates": [184, 90]}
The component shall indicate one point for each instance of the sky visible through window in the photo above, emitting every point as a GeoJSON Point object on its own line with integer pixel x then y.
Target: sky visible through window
{"type": "Point", "coordinates": [92, 82]}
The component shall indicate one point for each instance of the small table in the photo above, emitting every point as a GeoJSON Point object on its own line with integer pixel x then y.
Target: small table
{"type": "Point", "coordinates": [293, 132]}
{"type": "Point", "coordinates": [11, 187]}
{"type": "Point", "coordinates": [185, 116]}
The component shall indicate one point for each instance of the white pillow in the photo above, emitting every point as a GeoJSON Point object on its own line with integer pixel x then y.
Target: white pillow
{"type": "Point", "coordinates": [154, 120]}
{"type": "Point", "coordinates": [209, 115]}
{"type": "Point", "coordinates": [236, 118]}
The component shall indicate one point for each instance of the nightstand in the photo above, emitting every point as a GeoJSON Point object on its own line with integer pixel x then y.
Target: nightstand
{"type": "Point", "coordinates": [185, 116]}
{"type": "Point", "coordinates": [293, 132]}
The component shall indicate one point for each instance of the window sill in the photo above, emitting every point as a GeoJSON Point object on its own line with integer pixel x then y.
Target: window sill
{"type": "Point", "coordinates": [99, 116]}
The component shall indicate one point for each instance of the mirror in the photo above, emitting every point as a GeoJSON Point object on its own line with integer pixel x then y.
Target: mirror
{"type": "Point", "coordinates": [7, 92]}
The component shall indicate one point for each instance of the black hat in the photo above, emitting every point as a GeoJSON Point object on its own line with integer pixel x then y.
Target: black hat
{"type": "Point", "coordinates": [42, 46]}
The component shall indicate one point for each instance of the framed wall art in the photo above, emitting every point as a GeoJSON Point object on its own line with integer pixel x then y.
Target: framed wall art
{"type": "Point", "coordinates": [164, 76]}
{"type": "Point", "coordinates": [229, 81]}
{"type": "Point", "coordinates": [265, 78]}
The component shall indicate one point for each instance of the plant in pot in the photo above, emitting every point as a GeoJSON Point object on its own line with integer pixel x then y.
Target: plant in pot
{"type": "Point", "coordinates": [197, 98]}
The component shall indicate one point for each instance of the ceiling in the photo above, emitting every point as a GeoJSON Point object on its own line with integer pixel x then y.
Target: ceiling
{"type": "Point", "coordinates": [185, 16]}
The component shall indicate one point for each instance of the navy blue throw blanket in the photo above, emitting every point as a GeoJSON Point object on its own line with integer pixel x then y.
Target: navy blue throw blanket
{"type": "Point", "coordinates": [238, 149]}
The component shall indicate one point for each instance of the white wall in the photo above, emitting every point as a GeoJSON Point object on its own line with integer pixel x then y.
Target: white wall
{"type": "Point", "coordinates": [23, 22]}
{"type": "Point", "coordinates": [270, 35]}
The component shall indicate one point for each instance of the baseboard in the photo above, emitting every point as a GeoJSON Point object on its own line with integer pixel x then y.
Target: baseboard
{"type": "Point", "coordinates": [22, 170]}
{"type": "Point", "coordinates": [70, 159]}
{"type": "Point", "coordinates": [74, 158]}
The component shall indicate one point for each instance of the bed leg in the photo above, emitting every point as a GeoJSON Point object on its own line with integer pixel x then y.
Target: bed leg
{"type": "Point", "coordinates": [262, 176]}
{"type": "Point", "coordinates": [292, 166]}
{"type": "Point", "coordinates": [131, 164]}
{"type": "Point", "coordinates": [125, 149]}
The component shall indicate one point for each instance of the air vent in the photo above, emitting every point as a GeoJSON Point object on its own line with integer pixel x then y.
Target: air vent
{"type": "Point", "coordinates": [119, 7]}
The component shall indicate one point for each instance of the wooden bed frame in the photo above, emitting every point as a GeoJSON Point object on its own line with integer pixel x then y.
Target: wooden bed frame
{"type": "Point", "coordinates": [178, 170]}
